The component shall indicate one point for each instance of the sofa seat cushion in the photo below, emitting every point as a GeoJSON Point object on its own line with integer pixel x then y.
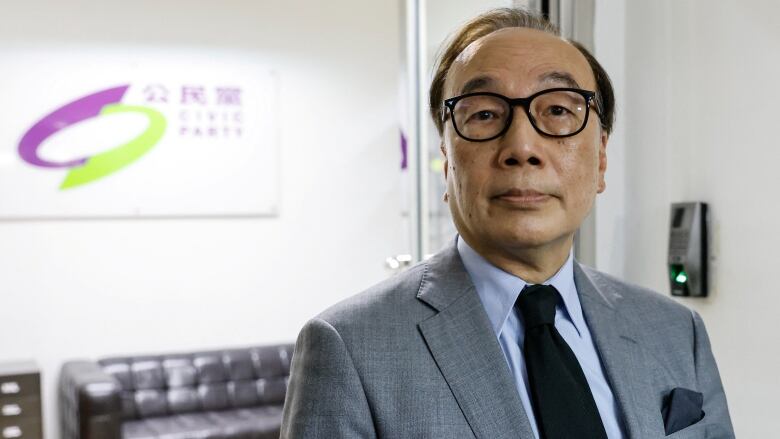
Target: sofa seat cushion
{"type": "Point", "coordinates": [246, 423]}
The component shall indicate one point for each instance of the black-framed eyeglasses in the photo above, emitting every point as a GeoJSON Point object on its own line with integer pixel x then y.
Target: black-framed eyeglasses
{"type": "Point", "coordinates": [555, 112]}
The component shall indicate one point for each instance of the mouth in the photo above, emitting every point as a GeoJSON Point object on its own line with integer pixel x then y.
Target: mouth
{"type": "Point", "coordinates": [522, 197]}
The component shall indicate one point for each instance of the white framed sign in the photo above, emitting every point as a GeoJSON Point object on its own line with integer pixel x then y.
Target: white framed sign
{"type": "Point", "coordinates": [131, 131]}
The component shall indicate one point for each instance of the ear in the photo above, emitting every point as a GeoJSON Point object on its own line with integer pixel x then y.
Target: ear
{"type": "Point", "coordinates": [444, 153]}
{"type": "Point", "coordinates": [602, 161]}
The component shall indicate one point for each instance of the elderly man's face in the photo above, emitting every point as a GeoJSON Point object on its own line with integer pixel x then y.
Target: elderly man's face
{"type": "Point", "coordinates": [522, 190]}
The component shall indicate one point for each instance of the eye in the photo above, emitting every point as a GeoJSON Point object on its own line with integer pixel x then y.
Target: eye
{"type": "Point", "coordinates": [557, 110]}
{"type": "Point", "coordinates": [480, 110]}
{"type": "Point", "coordinates": [484, 115]}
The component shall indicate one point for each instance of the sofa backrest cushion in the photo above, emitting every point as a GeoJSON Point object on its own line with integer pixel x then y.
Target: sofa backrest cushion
{"type": "Point", "coordinates": [202, 381]}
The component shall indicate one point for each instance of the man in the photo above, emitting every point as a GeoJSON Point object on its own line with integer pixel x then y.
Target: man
{"type": "Point", "coordinates": [503, 334]}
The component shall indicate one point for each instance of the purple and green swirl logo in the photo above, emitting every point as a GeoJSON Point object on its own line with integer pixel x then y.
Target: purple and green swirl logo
{"type": "Point", "coordinates": [89, 169]}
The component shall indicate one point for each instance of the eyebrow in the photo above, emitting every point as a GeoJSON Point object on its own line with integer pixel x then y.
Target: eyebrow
{"type": "Point", "coordinates": [476, 83]}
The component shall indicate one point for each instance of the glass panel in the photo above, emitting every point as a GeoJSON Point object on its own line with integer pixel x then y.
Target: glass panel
{"type": "Point", "coordinates": [442, 17]}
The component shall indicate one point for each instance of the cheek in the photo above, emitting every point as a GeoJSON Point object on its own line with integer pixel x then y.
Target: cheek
{"type": "Point", "coordinates": [461, 181]}
{"type": "Point", "coordinates": [578, 167]}
{"type": "Point", "coordinates": [466, 181]}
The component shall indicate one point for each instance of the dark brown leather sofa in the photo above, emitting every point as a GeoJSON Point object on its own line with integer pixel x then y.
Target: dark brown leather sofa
{"type": "Point", "coordinates": [221, 394]}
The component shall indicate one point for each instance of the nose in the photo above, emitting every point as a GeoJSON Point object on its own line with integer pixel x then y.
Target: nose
{"type": "Point", "coordinates": [521, 145]}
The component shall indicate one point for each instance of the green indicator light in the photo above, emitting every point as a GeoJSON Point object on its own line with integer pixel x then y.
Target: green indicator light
{"type": "Point", "coordinates": [681, 278]}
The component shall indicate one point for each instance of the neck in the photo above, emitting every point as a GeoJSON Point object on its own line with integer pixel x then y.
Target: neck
{"type": "Point", "coordinates": [532, 264]}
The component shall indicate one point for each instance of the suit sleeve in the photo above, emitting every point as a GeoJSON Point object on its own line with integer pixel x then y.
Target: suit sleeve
{"type": "Point", "coordinates": [325, 396]}
{"type": "Point", "coordinates": [716, 410]}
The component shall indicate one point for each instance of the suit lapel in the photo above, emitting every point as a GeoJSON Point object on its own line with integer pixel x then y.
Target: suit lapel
{"type": "Point", "coordinates": [626, 364]}
{"type": "Point", "coordinates": [462, 342]}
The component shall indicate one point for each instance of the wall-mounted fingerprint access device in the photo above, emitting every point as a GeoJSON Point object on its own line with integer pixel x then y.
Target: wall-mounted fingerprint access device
{"type": "Point", "coordinates": [688, 250]}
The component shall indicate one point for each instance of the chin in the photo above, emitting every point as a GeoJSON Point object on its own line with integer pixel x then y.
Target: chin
{"type": "Point", "coordinates": [530, 237]}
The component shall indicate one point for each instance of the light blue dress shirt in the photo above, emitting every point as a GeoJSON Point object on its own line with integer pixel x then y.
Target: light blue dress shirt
{"type": "Point", "coordinates": [499, 290]}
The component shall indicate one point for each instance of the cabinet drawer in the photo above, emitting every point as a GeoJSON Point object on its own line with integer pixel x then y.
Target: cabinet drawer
{"type": "Point", "coordinates": [21, 407]}
{"type": "Point", "coordinates": [19, 385]}
{"type": "Point", "coordinates": [23, 429]}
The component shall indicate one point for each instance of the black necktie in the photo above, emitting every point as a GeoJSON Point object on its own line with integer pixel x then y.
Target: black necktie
{"type": "Point", "coordinates": [561, 397]}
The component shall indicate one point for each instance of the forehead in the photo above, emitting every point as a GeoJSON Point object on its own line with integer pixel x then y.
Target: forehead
{"type": "Point", "coordinates": [519, 61]}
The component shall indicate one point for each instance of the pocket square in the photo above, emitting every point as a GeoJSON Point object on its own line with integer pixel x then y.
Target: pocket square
{"type": "Point", "coordinates": [682, 408]}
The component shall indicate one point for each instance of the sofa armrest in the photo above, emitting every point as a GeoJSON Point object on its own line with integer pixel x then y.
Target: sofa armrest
{"type": "Point", "coordinates": [90, 402]}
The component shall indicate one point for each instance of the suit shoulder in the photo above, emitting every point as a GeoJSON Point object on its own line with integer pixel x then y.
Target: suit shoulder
{"type": "Point", "coordinates": [394, 298]}
{"type": "Point", "coordinates": [637, 297]}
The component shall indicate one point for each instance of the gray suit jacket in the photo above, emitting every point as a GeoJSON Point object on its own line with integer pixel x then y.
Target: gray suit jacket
{"type": "Point", "coordinates": [415, 357]}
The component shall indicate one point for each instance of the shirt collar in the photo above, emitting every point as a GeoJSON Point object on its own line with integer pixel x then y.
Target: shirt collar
{"type": "Point", "coordinates": [498, 290]}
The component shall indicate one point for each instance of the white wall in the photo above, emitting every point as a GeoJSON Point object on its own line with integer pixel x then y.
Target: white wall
{"type": "Point", "coordinates": [700, 115]}
{"type": "Point", "coordinates": [72, 289]}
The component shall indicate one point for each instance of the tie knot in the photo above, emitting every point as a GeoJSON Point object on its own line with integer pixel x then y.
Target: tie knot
{"type": "Point", "coordinates": [537, 305]}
